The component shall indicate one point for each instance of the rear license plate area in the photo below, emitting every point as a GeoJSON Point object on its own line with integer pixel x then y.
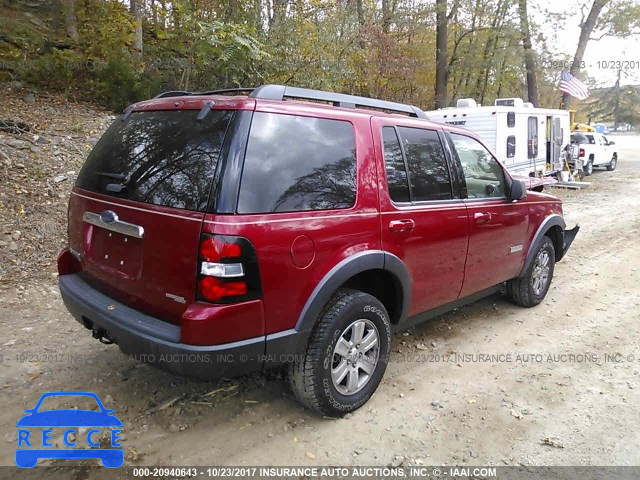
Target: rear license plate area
{"type": "Point", "coordinates": [115, 252]}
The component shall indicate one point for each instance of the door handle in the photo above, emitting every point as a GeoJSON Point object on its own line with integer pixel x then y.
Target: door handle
{"type": "Point", "coordinates": [400, 226]}
{"type": "Point", "coordinates": [482, 217]}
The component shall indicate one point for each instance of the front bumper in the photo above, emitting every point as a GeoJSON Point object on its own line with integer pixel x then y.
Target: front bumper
{"type": "Point", "coordinates": [153, 341]}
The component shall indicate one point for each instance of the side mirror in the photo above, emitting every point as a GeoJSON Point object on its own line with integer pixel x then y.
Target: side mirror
{"type": "Point", "coordinates": [517, 191]}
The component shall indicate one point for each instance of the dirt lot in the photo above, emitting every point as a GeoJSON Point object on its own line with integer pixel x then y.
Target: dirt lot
{"type": "Point", "coordinates": [549, 396]}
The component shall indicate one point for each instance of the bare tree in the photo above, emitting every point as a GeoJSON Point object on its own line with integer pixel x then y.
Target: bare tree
{"type": "Point", "coordinates": [441, 53]}
{"type": "Point", "coordinates": [529, 53]}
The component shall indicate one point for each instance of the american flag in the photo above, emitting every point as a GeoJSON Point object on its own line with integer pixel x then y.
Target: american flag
{"type": "Point", "coordinates": [573, 86]}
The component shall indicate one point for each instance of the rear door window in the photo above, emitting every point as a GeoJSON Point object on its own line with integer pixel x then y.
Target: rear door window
{"type": "Point", "coordinates": [296, 163]}
{"type": "Point", "coordinates": [397, 181]}
{"type": "Point", "coordinates": [163, 158]}
{"type": "Point", "coordinates": [428, 171]}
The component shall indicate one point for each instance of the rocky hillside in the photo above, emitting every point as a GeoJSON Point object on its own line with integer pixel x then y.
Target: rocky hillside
{"type": "Point", "coordinates": [43, 141]}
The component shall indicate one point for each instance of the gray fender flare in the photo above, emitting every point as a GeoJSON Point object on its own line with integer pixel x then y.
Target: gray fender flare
{"type": "Point", "coordinates": [339, 274]}
{"type": "Point", "coordinates": [551, 221]}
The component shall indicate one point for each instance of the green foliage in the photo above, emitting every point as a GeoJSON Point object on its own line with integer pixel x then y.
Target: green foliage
{"type": "Point", "coordinates": [344, 45]}
{"type": "Point", "coordinates": [620, 19]}
{"type": "Point", "coordinates": [119, 85]}
{"type": "Point", "coordinates": [58, 70]}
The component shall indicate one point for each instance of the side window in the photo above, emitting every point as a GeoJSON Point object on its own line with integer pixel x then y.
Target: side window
{"type": "Point", "coordinates": [532, 137]}
{"type": "Point", "coordinates": [298, 163]}
{"type": "Point", "coordinates": [511, 119]}
{"type": "Point", "coordinates": [511, 146]}
{"type": "Point", "coordinates": [482, 172]}
{"type": "Point", "coordinates": [428, 172]}
{"type": "Point", "coordinates": [397, 181]}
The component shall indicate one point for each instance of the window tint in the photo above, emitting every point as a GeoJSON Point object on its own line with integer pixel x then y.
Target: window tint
{"type": "Point", "coordinates": [298, 163]}
{"type": "Point", "coordinates": [161, 157]}
{"type": "Point", "coordinates": [482, 172]}
{"type": "Point", "coordinates": [428, 172]}
{"type": "Point", "coordinates": [532, 137]}
{"type": "Point", "coordinates": [511, 119]}
{"type": "Point", "coordinates": [511, 146]}
{"type": "Point", "coordinates": [397, 181]}
{"type": "Point", "coordinates": [579, 138]}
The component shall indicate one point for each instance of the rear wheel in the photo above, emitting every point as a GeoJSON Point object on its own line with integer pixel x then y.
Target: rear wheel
{"type": "Point", "coordinates": [613, 163]}
{"type": "Point", "coordinates": [531, 288]}
{"type": "Point", "coordinates": [588, 168]}
{"type": "Point", "coordinates": [346, 357]}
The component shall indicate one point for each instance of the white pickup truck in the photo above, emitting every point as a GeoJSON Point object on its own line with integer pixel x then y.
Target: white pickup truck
{"type": "Point", "coordinates": [593, 150]}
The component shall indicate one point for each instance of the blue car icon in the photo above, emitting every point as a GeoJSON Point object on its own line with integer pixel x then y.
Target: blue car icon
{"type": "Point", "coordinates": [31, 448]}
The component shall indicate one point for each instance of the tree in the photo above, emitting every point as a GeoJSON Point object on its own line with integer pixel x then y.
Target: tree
{"type": "Point", "coordinates": [70, 19]}
{"type": "Point", "coordinates": [621, 104]}
{"type": "Point", "coordinates": [441, 53]}
{"type": "Point", "coordinates": [136, 11]}
{"type": "Point", "coordinates": [586, 28]}
{"type": "Point", "coordinates": [529, 53]}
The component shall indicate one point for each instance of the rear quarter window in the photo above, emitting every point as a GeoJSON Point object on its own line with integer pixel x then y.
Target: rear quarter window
{"type": "Point", "coordinates": [163, 158]}
{"type": "Point", "coordinates": [296, 163]}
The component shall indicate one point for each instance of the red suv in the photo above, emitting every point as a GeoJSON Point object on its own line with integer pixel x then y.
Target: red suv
{"type": "Point", "coordinates": [220, 233]}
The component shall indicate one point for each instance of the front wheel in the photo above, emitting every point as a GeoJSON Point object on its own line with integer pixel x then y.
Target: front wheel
{"type": "Point", "coordinates": [346, 357]}
{"type": "Point", "coordinates": [530, 289]}
{"type": "Point", "coordinates": [613, 163]}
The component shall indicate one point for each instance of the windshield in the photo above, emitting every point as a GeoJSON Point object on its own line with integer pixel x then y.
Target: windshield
{"type": "Point", "coordinates": [164, 158]}
{"type": "Point", "coordinates": [57, 402]}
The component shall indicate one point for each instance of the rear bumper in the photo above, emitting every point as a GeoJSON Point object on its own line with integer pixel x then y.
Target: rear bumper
{"type": "Point", "coordinates": [150, 340]}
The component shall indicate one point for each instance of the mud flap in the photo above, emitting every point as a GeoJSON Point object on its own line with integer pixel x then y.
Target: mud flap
{"type": "Point", "coordinates": [569, 236]}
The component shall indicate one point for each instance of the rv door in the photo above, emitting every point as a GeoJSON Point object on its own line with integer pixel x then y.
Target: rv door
{"type": "Point", "coordinates": [554, 143]}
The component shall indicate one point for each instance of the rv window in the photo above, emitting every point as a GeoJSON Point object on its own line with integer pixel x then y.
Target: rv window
{"type": "Point", "coordinates": [511, 119]}
{"type": "Point", "coordinates": [482, 172]}
{"type": "Point", "coordinates": [397, 181]}
{"type": "Point", "coordinates": [511, 146]}
{"type": "Point", "coordinates": [428, 171]}
{"type": "Point", "coordinates": [532, 137]}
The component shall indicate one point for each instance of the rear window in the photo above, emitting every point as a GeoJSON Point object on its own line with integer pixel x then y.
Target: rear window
{"type": "Point", "coordinates": [578, 138]}
{"type": "Point", "coordinates": [296, 163]}
{"type": "Point", "coordinates": [164, 158]}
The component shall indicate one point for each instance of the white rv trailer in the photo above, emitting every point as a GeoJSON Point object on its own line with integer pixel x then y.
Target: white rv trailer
{"type": "Point", "coordinates": [529, 141]}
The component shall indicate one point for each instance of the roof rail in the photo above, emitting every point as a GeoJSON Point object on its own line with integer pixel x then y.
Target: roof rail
{"type": "Point", "coordinates": [223, 91]}
{"type": "Point", "coordinates": [280, 92]}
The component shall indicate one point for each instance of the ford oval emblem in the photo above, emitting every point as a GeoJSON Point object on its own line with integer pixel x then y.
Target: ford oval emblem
{"type": "Point", "coordinates": [108, 216]}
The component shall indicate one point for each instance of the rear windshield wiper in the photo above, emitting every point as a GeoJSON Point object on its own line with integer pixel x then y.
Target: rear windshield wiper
{"type": "Point", "coordinates": [116, 176]}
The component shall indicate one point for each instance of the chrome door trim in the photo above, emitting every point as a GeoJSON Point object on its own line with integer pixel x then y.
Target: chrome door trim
{"type": "Point", "coordinates": [113, 224]}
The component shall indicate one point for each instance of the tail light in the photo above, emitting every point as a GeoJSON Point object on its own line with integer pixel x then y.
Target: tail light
{"type": "Point", "coordinates": [227, 269]}
{"type": "Point", "coordinates": [581, 154]}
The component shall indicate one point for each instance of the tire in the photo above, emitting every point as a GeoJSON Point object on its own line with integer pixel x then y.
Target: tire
{"type": "Point", "coordinates": [588, 168]}
{"type": "Point", "coordinates": [530, 289]}
{"type": "Point", "coordinates": [613, 163]}
{"type": "Point", "coordinates": [324, 378]}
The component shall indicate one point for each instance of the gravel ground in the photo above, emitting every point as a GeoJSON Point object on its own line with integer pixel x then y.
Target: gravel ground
{"type": "Point", "coordinates": [488, 384]}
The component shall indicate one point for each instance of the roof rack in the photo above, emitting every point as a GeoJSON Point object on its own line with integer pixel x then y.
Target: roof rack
{"type": "Point", "coordinates": [281, 92]}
